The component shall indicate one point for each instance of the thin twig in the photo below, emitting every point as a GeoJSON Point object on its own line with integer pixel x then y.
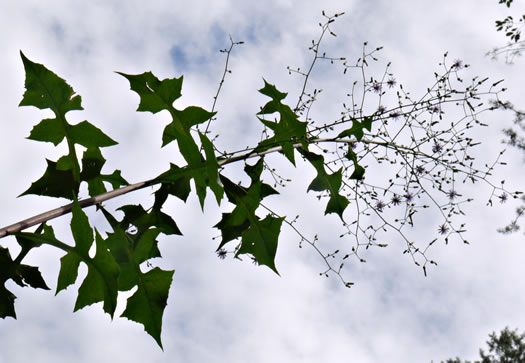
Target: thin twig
{"type": "Point", "coordinates": [65, 209]}
{"type": "Point", "coordinates": [226, 71]}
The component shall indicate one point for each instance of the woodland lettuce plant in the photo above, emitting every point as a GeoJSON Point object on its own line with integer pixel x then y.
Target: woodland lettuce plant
{"type": "Point", "coordinates": [423, 145]}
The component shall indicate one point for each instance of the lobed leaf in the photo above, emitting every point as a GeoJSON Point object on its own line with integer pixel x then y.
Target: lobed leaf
{"type": "Point", "coordinates": [101, 282]}
{"type": "Point", "coordinates": [258, 237]}
{"type": "Point", "coordinates": [357, 128]}
{"type": "Point", "coordinates": [44, 89]}
{"type": "Point", "coordinates": [183, 120]}
{"type": "Point", "coordinates": [329, 182]}
{"type": "Point", "coordinates": [22, 275]}
{"type": "Point", "coordinates": [231, 227]}
{"type": "Point", "coordinates": [157, 95]}
{"type": "Point", "coordinates": [178, 187]}
{"type": "Point", "coordinates": [83, 133]}
{"type": "Point", "coordinates": [49, 130]}
{"type": "Point", "coordinates": [210, 176]}
{"type": "Point", "coordinates": [205, 173]}
{"type": "Point", "coordinates": [136, 215]}
{"type": "Point", "coordinates": [146, 306]}
{"type": "Point", "coordinates": [54, 183]}
{"type": "Point", "coordinates": [288, 131]}
{"type": "Point", "coordinates": [261, 239]}
{"type": "Point", "coordinates": [92, 163]}
{"type": "Point", "coordinates": [90, 136]}
{"type": "Point", "coordinates": [271, 91]}
{"type": "Point", "coordinates": [359, 171]}
{"type": "Point", "coordinates": [7, 298]}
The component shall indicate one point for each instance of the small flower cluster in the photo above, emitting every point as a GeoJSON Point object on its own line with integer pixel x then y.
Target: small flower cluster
{"type": "Point", "coordinates": [377, 87]}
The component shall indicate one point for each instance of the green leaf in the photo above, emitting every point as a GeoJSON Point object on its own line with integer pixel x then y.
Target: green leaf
{"type": "Point", "coordinates": [179, 188]}
{"type": "Point", "coordinates": [247, 198]}
{"type": "Point", "coordinates": [22, 275]}
{"type": "Point", "coordinates": [130, 250]}
{"type": "Point", "coordinates": [84, 133]}
{"type": "Point", "coordinates": [101, 282]}
{"type": "Point", "coordinates": [49, 130]}
{"type": "Point", "coordinates": [90, 136]}
{"type": "Point", "coordinates": [183, 120]}
{"type": "Point", "coordinates": [115, 179]}
{"type": "Point", "coordinates": [288, 131]}
{"type": "Point", "coordinates": [179, 129]}
{"type": "Point", "coordinates": [54, 183]}
{"type": "Point", "coordinates": [27, 244]}
{"type": "Point", "coordinates": [46, 235]}
{"type": "Point", "coordinates": [146, 246]}
{"type": "Point", "coordinates": [259, 237]}
{"type": "Point", "coordinates": [147, 304]}
{"type": "Point", "coordinates": [210, 176]}
{"type": "Point", "coordinates": [231, 227]}
{"type": "Point", "coordinates": [92, 163]}
{"type": "Point", "coordinates": [271, 91]}
{"type": "Point", "coordinates": [254, 172]}
{"type": "Point", "coordinates": [137, 216]}
{"type": "Point", "coordinates": [44, 89]}
{"type": "Point", "coordinates": [68, 274]}
{"type": "Point", "coordinates": [65, 163]}
{"type": "Point", "coordinates": [32, 276]}
{"type": "Point", "coordinates": [357, 128]}
{"type": "Point", "coordinates": [7, 303]}
{"type": "Point", "coordinates": [260, 240]}
{"type": "Point", "coordinates": [81, 230]}
{"type": "Point", "coordinates": [205, 174]}
{"type": "Point", "coordinates": [359, 171]}
{"type": "Point", "coordinates": [155, 95]}
{"type": "Point", "coordinates": [329, 182]}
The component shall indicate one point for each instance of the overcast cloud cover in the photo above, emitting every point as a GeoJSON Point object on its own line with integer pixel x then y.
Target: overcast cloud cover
{"type": "Point", "coordinates": [231, 311]}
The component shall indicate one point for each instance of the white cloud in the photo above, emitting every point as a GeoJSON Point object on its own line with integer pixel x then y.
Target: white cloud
{"type": "Point", "coordinates": [226, 310]}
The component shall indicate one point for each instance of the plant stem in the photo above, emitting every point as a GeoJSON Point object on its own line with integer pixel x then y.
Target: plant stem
{"type": "Point", "coordinates": [67, 208]}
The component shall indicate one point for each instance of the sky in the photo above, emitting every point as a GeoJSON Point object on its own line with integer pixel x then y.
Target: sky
{"type": "Point", "coordinates": [233, 311]}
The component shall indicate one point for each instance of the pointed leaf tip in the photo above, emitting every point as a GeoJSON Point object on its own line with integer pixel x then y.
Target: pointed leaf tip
{"type": "Point", "coordinates": [271, 91]}
{"type": "Point", "coordinates": [155, 95]}
{"type": "Point", "coordinates": [44, 89]}
{"type": "Point", "coordinates": [146, 306]}
{"type": "Point", "coordinates": [329, 182]}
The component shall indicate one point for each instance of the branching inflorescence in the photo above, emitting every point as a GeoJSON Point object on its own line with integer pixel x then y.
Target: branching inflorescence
{"type": "Point", "coordinates": [421, 145]}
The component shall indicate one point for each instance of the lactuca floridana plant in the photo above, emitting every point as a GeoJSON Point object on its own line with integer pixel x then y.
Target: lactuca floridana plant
{"type": "Point", "coordinates": [423, 152]}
